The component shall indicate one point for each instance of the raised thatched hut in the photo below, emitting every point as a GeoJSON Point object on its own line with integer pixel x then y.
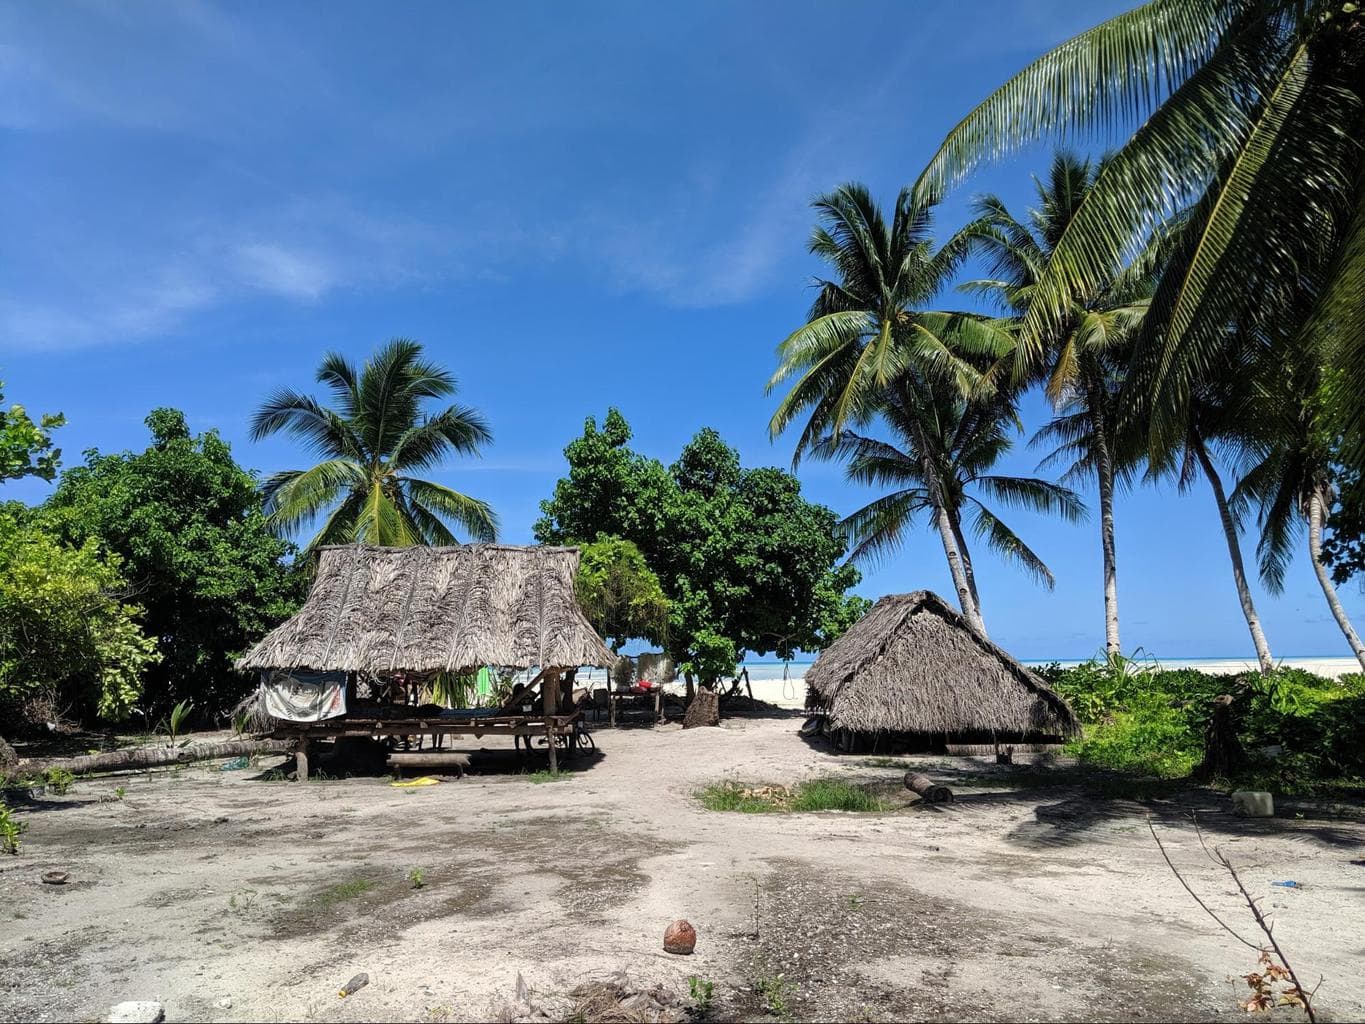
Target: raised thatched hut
{"type": "Point", "coordinates": [422, 610]}
{"type": "Point", "coordinates": [912, 673]}
{"type": "Point", "coordinates": [401, 616]}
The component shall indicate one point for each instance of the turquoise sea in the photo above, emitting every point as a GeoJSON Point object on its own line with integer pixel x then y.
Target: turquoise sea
{"type": "Point", "coordinates": [1323, 665]}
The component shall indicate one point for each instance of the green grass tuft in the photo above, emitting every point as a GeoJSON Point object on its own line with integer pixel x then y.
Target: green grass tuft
{"type": "Point", "coordinates": [834, 795]}
{"type": "Point", "coordinates": [813, 795]}
{"type": "Point", "coordinates": [345, 891]}
{"type": "Point", "coordinates": [546, 775]}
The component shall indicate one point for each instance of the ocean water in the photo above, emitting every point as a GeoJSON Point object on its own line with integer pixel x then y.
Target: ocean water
{"type": "Point", "coordinates": [783, 678]}
{"type": "Point", "coordinates": [1324, 666]}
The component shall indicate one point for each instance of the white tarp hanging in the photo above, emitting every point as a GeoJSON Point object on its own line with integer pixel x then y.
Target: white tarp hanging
{"type": "Point", "coordinates": [305, 696]}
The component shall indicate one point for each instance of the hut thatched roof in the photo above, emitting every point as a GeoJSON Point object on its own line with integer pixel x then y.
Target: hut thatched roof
{"type": "Point", "coordinates": [913, 665]}
{"type": "Point", "coordinates": [429, 609]}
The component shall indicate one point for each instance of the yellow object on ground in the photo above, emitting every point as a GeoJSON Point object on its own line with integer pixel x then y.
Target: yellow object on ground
{"type": "Point", "coordinates": [425, 780]}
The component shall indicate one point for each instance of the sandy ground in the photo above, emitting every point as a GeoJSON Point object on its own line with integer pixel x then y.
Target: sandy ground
{"type": "Point", "coordinates": [229, 897]}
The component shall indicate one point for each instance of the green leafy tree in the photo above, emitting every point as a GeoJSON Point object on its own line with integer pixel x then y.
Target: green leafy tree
{"type": "Point", "coordinates": [1082, 352]}
{"type": "Point", "coordinates": [187, 525]}
{"type": "Point", "coordinates": [25, 446]}
{"type": "Point", "coordinates": [370, 444]}
{"type": "Point", "coordinates": [619, 593]}
{"type": "Point", "coordinates": [69, 644]}
{"type": "Point", "coordinates": [943, 446]}
{"type": "Point", "coordinates": [745, 562]}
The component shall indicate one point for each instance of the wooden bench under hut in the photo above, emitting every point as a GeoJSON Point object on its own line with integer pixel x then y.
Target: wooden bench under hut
{"type": "Point", "coordinates": [912, 675]}
{"type": "Point", "coordinates": [392, 620]}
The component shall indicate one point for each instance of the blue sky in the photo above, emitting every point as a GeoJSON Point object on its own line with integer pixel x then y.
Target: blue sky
{"type": "Point", "coordinates": [572, 205]}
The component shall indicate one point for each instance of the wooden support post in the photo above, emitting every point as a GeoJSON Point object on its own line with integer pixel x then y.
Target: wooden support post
{"type": "Point", "coordinates": [301, 760]}
{"type": "Point", "coordinates": [549, 688]}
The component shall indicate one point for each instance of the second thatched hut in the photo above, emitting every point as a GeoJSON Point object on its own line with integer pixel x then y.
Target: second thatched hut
{"type": "Point", "coordinates": [912, 674]}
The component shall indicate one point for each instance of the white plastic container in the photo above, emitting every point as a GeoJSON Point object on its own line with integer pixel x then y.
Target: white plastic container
{"type": "Point", "coordinates": [1253, 803]}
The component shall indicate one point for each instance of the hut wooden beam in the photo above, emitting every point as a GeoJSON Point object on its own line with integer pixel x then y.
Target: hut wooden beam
{"type": "Point", "coordinates": [549, 689]}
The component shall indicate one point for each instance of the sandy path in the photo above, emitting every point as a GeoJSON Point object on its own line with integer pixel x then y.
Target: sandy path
{"type": "Point", "coordinates": [205, 886]}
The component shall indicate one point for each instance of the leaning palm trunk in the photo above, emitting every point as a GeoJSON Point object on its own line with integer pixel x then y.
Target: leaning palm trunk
{"type": "Point", "coordinates": [1239, 575]}
{"type": "Point", "coordinates": [1105, 469]}
{"type": "Point", "coordinates": [1315, 517]}
{"type": "Point", "coordinates": [947, 531]}
{"type": "Point", "coordinates": [957, 568]}
{"type": "Point", "coordinates": [967, 565]}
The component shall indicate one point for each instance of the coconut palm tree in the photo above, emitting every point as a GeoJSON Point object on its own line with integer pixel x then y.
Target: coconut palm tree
{"type": "Point", "coordinates": [1245, 117]}
{"type": "Point", "coordinates": [866, 328]}
{"type": "Point", "coordinates": [1291, 476]}
{"type": "Point", "coordinates": [1219, 418]}
{"type": "Point", "coordinates": [942, 449]}
{"type": "Point", "coordinates": [867, 324]}
{"type": "Point", "coordinates": [370, 443]}
{"type": "Point", "coordinates": [1083, 353]}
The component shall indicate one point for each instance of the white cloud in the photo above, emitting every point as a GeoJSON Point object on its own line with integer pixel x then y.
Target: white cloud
{"type": "Point", "coordinates": [292, 273]}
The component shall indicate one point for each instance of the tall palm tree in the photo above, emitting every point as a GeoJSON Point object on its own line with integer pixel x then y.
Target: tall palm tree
{"type": "Point", "coordinates": [866, 328]}
{"type": "Point", "coordinates": [867, 324]}
{"type": "Point", "coordinates": [1083, 352]}
{"type": "Point", "coordinates": [1291, 478]}
{"type": "Point", "coordinates": [942, 449]}
{"type": "Point", "coordinates": [1219, 417]}
{"type": "Point", "coordinates": [370, 443]}
{"type": "Point", "coordinates": [1245, 117]}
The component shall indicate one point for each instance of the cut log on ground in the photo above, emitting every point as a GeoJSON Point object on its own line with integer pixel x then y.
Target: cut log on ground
{"type": "Point", "coordinates": [152, 757]}
{"type": "Point", "coordinates": [927, 789]}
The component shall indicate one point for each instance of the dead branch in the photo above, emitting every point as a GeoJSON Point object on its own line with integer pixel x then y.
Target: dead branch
{"type": "Point", "coordinates": [1217, 855]}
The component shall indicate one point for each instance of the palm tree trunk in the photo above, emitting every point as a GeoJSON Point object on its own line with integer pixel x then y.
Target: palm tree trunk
{"type": "Point", "coordinates": [1315, 518]}
{"type": "Point", "coordinates": [1239, 575]}
{"type": "Point", "coordinates": [967, 564]}
{"type": "Point", "coordinates": [1104, 459]}
{"type": "Point", "coordinates": [943, 519]}
{"type": "Point", "coordinates": [958, 569]}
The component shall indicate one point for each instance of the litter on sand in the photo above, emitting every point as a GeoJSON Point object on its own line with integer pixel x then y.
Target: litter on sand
{"type": "Point", "coordinates": [425, 780]}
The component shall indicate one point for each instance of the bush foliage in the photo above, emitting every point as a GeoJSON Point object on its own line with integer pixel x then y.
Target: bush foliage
{"type": "Point", "coordinates": [68, 643]}
{"type": "Point", "coordinates": [1301, 731]}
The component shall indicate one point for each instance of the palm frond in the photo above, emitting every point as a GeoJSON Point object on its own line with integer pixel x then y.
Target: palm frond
{"type": "Point", "coordinates": [300, 416]}
{"type": "Point", "coordinates": [296, 497]}
{"type": "Point", "coordinates": [476, 517]}
{"type": "Point", "coordinates": [1035, 495]}
{"type": "Point", "coordinates": [1008, 545]}
{"type": "Point", "coordinates": [457, 429]}
{"type": "Point", "coordinates": [1113, 73]}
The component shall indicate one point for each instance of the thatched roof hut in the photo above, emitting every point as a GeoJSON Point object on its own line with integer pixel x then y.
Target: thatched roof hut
{"type": "Point", "coordinates": [432, 609]}
{"type": "Point", "coordinates": [912, 665]}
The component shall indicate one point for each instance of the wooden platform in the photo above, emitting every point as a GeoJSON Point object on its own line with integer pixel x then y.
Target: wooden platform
{"type": "Point", "coordinates": [552, 727]}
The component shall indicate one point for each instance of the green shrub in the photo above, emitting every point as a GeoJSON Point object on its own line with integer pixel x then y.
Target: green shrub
{"type": "Point", "coordinates": [1141, 719]}
{"type": "Point", "coordinates": [59, 780]}
{"type": "Point", "coordinates": [10, 830]}
{"type": "Point", "coordinates": [1153, 740]}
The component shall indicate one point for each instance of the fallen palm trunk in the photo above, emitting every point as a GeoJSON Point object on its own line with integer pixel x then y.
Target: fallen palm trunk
{"type": "Point", "coordinates": [928, 790]}
{"type": "Point", "coordinates": [152, 757]}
